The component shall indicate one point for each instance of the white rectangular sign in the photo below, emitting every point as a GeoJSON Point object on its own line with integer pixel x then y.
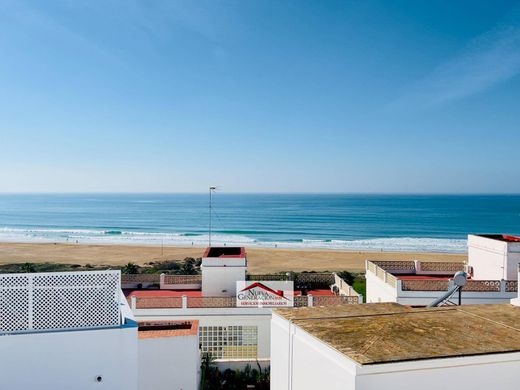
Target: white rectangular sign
{"type": "Point", "coordinates": [270, 293]}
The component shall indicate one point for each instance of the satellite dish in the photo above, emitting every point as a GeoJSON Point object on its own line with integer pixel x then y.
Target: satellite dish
{"type": "Point", "coordinates": [460, 278]}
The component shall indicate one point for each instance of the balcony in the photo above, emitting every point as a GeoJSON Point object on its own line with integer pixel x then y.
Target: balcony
{"type": "Point", "coordinates": [419, 282]}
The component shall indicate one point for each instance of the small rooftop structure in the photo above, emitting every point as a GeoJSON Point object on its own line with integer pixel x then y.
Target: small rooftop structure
{"type": "Point", "coordinates": [494, 256]}
{"type": "Point", "coordinates": [74, 329]}
{"type": "Point", "coordinates": [221, 268]}
{"type": "Point", "coordinates": [384, 333]}
{"type": "Point", "coordinates": [500, 237]}
{"type": "Point", "coordinates": [225, 252]}
{"type": "Point", "coordinates": [169, 356]}
{"type": "Point", "coordinates": [156, 329]}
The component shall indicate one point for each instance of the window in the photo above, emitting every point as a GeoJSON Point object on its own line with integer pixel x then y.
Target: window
{"type": "Point", "coordinates": [230, 342]}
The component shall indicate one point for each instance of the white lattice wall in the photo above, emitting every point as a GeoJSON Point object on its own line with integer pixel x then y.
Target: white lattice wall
{"type": "Point", "coordinates": [59, 301]}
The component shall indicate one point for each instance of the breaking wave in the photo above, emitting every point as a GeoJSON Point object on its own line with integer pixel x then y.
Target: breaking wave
{"type": "Point", "coordinates": [117, 236]}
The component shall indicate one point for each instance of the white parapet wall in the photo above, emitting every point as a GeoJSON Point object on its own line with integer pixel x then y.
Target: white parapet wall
{"type": "Point", "coordinates": [83, 359]}
{"type": "Point", "coordinates": [260, 318]}
{"type": "Point", "coordinates": [493, 256]}
{"type": "Point", "coordinates": [169, 360]}
{"type": "Point", "coordinates": [66, 331]}
{"type": "Point", "coordinates": [221, 268]}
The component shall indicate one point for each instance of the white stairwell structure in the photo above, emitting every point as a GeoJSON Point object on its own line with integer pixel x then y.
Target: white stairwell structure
{"type": "Point", "coordinates": [75, 330]}
{"type": "Point", "coordinates": [66, 331]}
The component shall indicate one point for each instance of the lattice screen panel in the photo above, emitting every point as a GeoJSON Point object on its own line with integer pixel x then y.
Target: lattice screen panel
{"type": "Point", "coordinates": [14, 303]}
{"type": "Point", "coordinates": [54, 301]}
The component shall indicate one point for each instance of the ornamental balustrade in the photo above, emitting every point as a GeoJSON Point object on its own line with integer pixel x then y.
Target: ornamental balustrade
{"type": "Point", "coordinates": [140, 278]}
{"type": "Point", "coordinates": [442, 266]}
{"type": "Point", "coordinates": [230, 302]}
{"type": "Point", "coordinates": [471, 285]}
{"type": "Point", "coordinates": [334, 301]}
{"type": "Point", "coordinates": [424, 285]}
{"type": "Point", "coordinates": [396, 266]}
{"type": "Point", "coordinates": [323, 278]}
{"type": "Point", "coordinates": [511, 286]}
{"type": "Point", "coordinates": [211, 302]}
{"type": "Point", "coordinates": [281, 277]}
{"type": "Point", "coordinates": [482, 285]}
{"type": "Point", "coordinates": [182, 279]}
{"type": "Point", "coordinates": [158, 303]}
{"type": "Point", "coordinates": [301, 301]}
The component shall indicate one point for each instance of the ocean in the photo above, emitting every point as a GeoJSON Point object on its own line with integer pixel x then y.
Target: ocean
{"type": "Point", "coordinates": [423, 223]}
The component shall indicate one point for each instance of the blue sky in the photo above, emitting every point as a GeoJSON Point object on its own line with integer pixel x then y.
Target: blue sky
{"type": "Point", "coordinates": [260, 96]}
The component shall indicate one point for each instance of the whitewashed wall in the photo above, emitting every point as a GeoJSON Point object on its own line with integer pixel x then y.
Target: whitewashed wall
{"type": "Point", "coordinates": [221, 281]}
{"type": "Point", "coordinates": [70, 360]}
{"type": "Point", "coordinates": [169, 363]}
{"type": "Point", "coordinates": [493, 259]}
{"type": "Point", "coordinates": [475, 373]}
{"type": "Point", "coordinates": [378, 290]}
{"type": "Point", "coordinates": [300, 362]}
{"type": "Point", "coordinates": [260, 317]}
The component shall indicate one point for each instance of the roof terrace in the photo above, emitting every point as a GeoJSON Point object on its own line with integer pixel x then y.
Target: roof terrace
{"type": "Point", "coordinates": [409, 282]}
{"type": "Point", "coordinates": [387, 333]}
{"type": "Point", "coordinates": [225, 252]}
{"type": "Point", "coordinates": [146, 291]}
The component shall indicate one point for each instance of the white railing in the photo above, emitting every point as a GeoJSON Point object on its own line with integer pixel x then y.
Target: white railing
{"type": "Point", "coordinates": [497, 286]}
{"type": "Point", "coordinates": [385, 276]}
{"type": "Point", "coordinates": [43, 302]}
{"type": "Point", "coordinates": [344, 289]}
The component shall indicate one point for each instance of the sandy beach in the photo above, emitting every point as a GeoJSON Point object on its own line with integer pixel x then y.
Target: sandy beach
{"type": "Point", "coordinates": [259, 259]}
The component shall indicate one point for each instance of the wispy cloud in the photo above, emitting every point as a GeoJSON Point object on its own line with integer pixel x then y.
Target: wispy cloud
{"type": "Point", "coordinates": [488, 60]}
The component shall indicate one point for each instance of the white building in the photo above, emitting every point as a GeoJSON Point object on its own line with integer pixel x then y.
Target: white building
{"type": "Point", "coordinates": [66, 331]}
{"type": "Point", "coordinates": [169, 356]}
{"type": "Point", "coordinates": [392, 347]}
{"type": "Point", "coordinates": [492, 264]}
{"type": "Point", "coordinates": [235, 336]}
{"type": "Point", "coordinates": [75, 330]}
{"type": "Point", "coordinates": [494, 256]}
{"type": "Point", "coordinates": [221, 268]}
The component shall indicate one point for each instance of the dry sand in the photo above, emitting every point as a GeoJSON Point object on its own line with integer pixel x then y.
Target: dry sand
{"type": "Point", "coordinates": [259, 259]}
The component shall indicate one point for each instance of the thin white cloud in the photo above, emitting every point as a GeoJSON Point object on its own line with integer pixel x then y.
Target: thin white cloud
{"type": "Point", "coordinates": [488, 60]}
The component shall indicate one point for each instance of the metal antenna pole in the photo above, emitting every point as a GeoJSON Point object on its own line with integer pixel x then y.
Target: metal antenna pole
{"type": "Point", "coordinates": [209, 233]}
{"type": "Point", "coordinates": [211, 189]}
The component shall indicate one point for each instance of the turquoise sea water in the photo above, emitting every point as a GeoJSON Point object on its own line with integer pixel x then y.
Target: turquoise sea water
{"type": "Point", "coordinates": [357, 222]}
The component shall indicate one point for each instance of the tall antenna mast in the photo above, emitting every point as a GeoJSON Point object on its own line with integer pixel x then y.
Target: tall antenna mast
{"type": "Point", "coordinates": [211, 190]}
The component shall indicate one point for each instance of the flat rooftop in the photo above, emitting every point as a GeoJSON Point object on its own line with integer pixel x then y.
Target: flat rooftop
{"type": "Point", "coordinates": [388, 332]}
{"type": "Point", "coordinates": [155, 329]}
{"type": "Point", "coordinates": [225, 252]}
{"type": "Point", "coordinates": [500, 237]}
